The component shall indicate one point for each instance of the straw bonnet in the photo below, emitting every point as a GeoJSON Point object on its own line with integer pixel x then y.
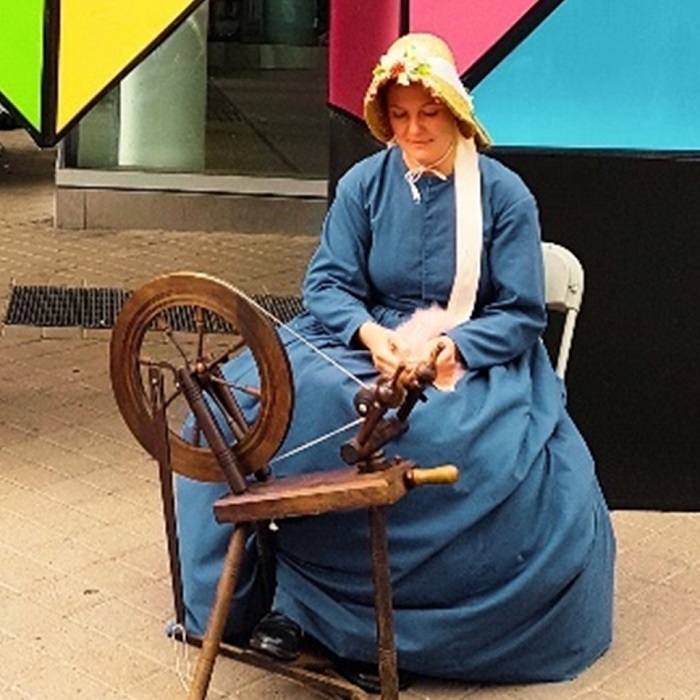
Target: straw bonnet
{"type": "Point", "coordinates": [425, 59]}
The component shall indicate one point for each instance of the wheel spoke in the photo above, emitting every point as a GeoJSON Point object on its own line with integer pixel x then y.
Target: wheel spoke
{"type": "Point", "coordinates": [170, 336]}
{"type": "Point", "coordinates": [172, 397]}
{"type": "Point", "coordinates": [253, 391]}
{"type": "Point", "coordinates": [199, 327]}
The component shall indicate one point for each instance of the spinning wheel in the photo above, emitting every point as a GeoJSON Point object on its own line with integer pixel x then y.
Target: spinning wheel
{"type": "Point", "coordinates": [201, 322]}
{"type": "Point", "coordinates": [168, 347]}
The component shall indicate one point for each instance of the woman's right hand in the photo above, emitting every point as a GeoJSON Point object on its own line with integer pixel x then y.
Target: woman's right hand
{"type": "Point", "coordinates": [388, 350]}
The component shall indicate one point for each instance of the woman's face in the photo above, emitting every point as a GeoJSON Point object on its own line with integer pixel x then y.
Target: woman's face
{"type": "Point", "coordinates": [423, 127]}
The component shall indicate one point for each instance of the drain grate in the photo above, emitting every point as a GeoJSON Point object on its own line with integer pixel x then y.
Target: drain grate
{"type": "Point", "coordinates": [98, 307]}
{"type": "Point", "coordinates": [283, 308]}
{"type": "Point", "coordinates": [59, 307]}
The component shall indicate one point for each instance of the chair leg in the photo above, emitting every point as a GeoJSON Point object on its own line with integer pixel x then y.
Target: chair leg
{"type": "Point", "coordinates": [218, 615]}
{"type": "Point", "coordinates": [386, 643]}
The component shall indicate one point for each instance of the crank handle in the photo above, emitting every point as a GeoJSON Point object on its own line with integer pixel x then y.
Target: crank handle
{"type": "Point", "coordinates": [447, 474]}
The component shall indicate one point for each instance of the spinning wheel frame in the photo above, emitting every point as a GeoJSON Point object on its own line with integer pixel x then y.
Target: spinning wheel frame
{"type": "Point", "coordinates": [149, 302]}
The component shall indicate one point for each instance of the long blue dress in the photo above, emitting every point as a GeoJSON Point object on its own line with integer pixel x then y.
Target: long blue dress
{"type": "Point", "coordinates": [506, 576]}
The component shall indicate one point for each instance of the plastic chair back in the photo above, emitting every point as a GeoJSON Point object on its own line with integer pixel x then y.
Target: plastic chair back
{"type": "Point", "coordinates": [563, 274]}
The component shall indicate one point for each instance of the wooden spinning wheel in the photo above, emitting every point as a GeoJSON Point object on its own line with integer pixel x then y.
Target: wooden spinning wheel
{"type": "Point", "coordinates": [169, 345]}
{"type": "Point", "coordinates": [199, 321]}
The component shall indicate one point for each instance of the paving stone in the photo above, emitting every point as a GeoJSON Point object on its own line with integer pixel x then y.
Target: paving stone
{"type": "Point", "coordinates": [41, 684]}
{"type": "Point", "coordinates": [65, 593]}
{"type": "Point", "coordinates": [668, 673]}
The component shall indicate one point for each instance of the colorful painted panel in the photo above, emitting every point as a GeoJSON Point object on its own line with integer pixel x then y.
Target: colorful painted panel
{"type": "Point", "coordinates": [360, 32]}
{"type": "Point", "coordinates": [21, 60]}
{"type": "Point", "coordinates": [99, 38]}
{"type": "Point", "coordinates": [598, 74]}
{"type": "Point", "coordinates": [472, 28]}
{"type": "Point", "coordinates": [57, 57]}
{"type": "Point", "coordinates": [479, 32]}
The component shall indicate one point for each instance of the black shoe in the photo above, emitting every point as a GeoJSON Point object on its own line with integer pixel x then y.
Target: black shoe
{"type": "Point", "coordinates": [365, 675]}
{"type": "Point", "coordinates": [277, 636]}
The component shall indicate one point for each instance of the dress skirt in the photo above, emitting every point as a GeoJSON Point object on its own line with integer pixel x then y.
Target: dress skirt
{"type": "Point", "coordinates": [505, 576]}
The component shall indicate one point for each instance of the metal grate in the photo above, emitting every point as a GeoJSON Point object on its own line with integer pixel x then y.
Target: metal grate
{"type": "Point", "coordinates": [56, 307]}
{"type": "Point", "coordinates": [282, 308]}
{"type": "Point", "coordinates": [98, 307]}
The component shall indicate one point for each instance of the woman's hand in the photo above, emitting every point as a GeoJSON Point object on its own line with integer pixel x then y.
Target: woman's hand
{"type": "Point", "coordinates": [448, 358]}
{"type": "Point", "coordinates": [449, 365]}
{"type": "Point", "coordinates": [388, 350]}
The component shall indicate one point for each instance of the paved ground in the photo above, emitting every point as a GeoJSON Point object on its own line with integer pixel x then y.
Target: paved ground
{"type": "Point", "coordinates": [84, 588]}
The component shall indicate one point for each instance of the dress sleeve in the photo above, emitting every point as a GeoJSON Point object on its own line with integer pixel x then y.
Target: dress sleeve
{"type": "Point", "coordinates": [336, 289]}
{"type": "Point", "coordinates": [513, 319]}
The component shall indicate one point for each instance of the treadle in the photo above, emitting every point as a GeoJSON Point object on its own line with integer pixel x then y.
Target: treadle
{"type": "Point", "coordinates": [312, 669]}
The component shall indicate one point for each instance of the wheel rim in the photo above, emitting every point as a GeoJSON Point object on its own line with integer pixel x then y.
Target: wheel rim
{"type": "Point", "coordinates": [140, 317]}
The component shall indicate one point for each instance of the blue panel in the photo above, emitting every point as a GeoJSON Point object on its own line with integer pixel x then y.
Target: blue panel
{"type": "Point", "coordinates": [601, 74]}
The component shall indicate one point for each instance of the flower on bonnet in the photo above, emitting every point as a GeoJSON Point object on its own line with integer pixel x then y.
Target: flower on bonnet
{"type": "Point", "coordinates": [405, 67]}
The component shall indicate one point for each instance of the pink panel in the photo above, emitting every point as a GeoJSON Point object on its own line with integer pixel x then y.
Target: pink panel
{"type": "Point", "coordinates": [361, 31]}
{"type": "Point", "coordinates": [470, 28]}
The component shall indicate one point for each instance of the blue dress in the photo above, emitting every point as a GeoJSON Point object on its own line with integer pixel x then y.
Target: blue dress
{"type": "Point", "coordinates": [506, 576]}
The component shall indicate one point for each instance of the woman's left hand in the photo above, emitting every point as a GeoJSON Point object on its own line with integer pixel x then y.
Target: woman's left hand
{"type": "Point", "coordinates": [449, 364]}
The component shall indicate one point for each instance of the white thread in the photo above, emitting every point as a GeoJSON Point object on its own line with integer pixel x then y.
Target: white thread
{"type": "Point", "coordinates": [298, 336]}
{"type": "Point", "coordinates": [183, 675]}
{"type": "Point", "coordinates": [316, 441]}
{"type": "Point", "coordinates": [330, 360]}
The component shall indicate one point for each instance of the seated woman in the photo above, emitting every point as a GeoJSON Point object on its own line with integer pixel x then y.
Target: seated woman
{"type": "Point", "coordinates": [507, 575]}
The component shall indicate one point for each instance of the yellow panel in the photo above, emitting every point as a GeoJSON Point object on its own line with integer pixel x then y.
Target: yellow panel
{"type": "Point", "coordinates": [98, 39]}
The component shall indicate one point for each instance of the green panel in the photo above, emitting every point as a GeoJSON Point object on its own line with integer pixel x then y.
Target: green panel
{"type": "Point", "coordinates": [21, 42]}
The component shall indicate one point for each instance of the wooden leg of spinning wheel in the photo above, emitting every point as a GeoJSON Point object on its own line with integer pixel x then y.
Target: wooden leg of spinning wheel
{"type": "Point", "coordinates": [386, 644]}
{"type": "Point", "coordinates": [218, 615]}
{"type": "Point", "coordinates": [161, 446]}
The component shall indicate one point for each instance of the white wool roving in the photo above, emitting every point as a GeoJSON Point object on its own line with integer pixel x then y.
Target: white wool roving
{"type": "Point", "coordinates": [425, 325]}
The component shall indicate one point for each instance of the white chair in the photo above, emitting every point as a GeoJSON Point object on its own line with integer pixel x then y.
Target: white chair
{"type": "Point", "coordinates": [563, 275]}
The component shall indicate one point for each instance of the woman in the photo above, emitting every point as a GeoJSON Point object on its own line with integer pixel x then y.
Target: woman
{"type": "Point", "coordinates": [507, 575]}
